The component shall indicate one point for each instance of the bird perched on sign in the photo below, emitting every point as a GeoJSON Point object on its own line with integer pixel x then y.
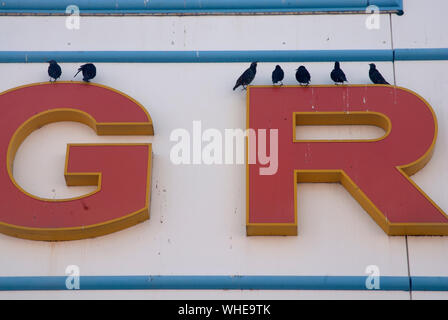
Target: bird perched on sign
{"type": "Point", "coordinates": [303, 76]}
{"type": "Point", "coordinates": [54, 70]}
{"type": "Point", "coordinates": [88, 71]}
{"type": "Point", "coordinates": [337, 75]}
{"type": "Point", "coordinates": [247, 77]}
{"type": "Point", "coordinates": [278, 75]}
{"type": "Point", "coordinates": [375, 75]}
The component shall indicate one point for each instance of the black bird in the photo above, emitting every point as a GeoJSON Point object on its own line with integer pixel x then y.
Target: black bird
{"type": "Point", "coordinates": [337, 75]}
{"type": "Point", "coordinates": [278, 75]}
{"type": "Point", "coordinates": [88, 72]}
{"type": "Point", "coordinates": [375, 75]}
{"type": "Point", "coordinates": [54, 70]}
{"type": "Point", "coordinates": [303, 76]}
{"type": "Point", "coordinates": [247, 77]}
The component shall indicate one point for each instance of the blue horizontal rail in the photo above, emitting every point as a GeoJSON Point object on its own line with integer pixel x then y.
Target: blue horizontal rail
{"type": "Point", "coordinates": [430, 283]}
{"type": "Point", "coordinates": [386, 283]}
{"type": "Point", "coordinates": [225, 56]}
{"type": "Point", "coordinates": [197, 56]}
{"type": "Point", "coordinates": [218, 283]}
{"type": "Point", "coordinates": [421, 54]}
{"type": "Point", "coordinates": [196, 6]}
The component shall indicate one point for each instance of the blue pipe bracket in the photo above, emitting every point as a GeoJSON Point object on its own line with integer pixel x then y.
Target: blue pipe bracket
{"type": "Point", "coordinates": [196, 7]}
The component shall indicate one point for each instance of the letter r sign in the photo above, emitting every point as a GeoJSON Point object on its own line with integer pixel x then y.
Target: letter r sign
{"type": "Point", "coordinates": [375, 172]}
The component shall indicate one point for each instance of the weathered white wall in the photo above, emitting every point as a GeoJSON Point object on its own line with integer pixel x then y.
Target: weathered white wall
{"type": "Point", "coordinates": [197, 224]}
{"type": "Point", "coordinates": [195, 33]}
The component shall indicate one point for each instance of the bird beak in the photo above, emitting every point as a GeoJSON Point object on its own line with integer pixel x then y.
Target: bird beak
{"type": "Point", "coordinates": [77, 73]}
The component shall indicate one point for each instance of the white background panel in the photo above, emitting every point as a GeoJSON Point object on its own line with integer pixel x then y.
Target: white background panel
{"type": "Point", "coordinates": [209, 295]}
{"type": "Point", "coordinates": [428, 295]}
{"type": "Point", "coordinates": [195, 33]}
{"type": "Point", "coordinates": [423, 25]}
{"type": "Point", "coordinates": [197, 223]}
{"type": "Point", "coordinates": [428, 255]}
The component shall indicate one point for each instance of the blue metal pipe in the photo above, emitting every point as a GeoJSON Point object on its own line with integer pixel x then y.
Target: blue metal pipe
{"type": "Point", "coordinates": [197, 56]}
{"type": "Point", "coordinates": [421, 54]}
{"type": "Point", "coordinates": [194, 6]}
{"type": "Point", "coordinates": [205, 283]}
{"type": "Point", "coordinates": [226, 56]}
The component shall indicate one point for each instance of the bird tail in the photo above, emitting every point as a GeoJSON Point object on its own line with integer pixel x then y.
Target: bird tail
{"type": "Point", "coordinates": [79, 70]}
{"type": "Point", "coordinates": [236, 86]}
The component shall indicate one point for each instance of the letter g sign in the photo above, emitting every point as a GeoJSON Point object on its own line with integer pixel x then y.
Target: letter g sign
{"type": "Point", "coordinates": [121, 172]}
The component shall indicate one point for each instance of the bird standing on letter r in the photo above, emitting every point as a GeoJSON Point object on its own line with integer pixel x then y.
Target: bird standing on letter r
{"type": "Point", "coordinates": [88, 72]}
{"type": "Point", "coordinates": [375, 75]}
{"type": "Point", "coordinates": [303, 76]}
{"type": "Point", "coordinates": [337, 75]}
{"type": "Point", "coordinates": [277, 75]}
{"type": "Point", "coordinates": [247, 77]}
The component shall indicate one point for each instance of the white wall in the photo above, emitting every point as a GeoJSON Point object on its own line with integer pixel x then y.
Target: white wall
{"type": "Point", "coordinates": [197, 224]}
